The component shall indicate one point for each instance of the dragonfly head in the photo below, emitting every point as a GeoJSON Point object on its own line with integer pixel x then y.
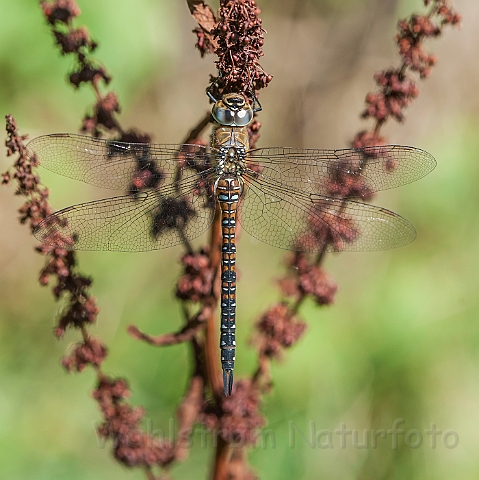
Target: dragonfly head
{"type": "Point", "coordinates": [233, 110]}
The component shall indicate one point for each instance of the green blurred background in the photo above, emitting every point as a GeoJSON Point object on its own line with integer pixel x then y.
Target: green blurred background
{"type": "Point", "coordinates": [402, 340]}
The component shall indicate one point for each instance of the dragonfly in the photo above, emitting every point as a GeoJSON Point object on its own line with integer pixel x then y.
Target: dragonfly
{"type": "Point", "coordinates": [306, 200]}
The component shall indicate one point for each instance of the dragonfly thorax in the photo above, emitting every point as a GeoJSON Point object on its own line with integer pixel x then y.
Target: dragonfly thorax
{"type": "Point", "coordinates": [230, 145]}
{"type": "Point", "coordinates": [231, 160]}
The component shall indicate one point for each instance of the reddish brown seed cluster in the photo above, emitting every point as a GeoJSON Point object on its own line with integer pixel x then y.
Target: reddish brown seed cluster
{"type": "Point", "coordinates": [204, 41]}
{"type": "Point", "coordinates": [253, 135]}
{"type": "Point", "coordinates": [171, 214]}
{"type": "Point", "coordinates": [240, 38]}
{"type": "Point", "coordinates": [345, 181]}
{"type": "Point", "coordinates": [327, 228]}
{"type": "Point", "coordinates": [89, 74]}
{"type": "Point", "coordinates": [414, 30]}
{"type": "Point", "coordinates": [368, 139]}
{"type": "Point", "coordinates": [120, 420]}
{"type": "Point", "coordinates": [131, 446]}
{"type": "Point", "coordinates": [192, 155]}
{"type": "Point", "coordinates": [277, 329]}
{"type": "Point", "coordinates": [397, 90]}
{"type": "Point", "coordinates": [60, 263]}
{"type": "Point", "coordinates": [447, 14]}
{"type": "Point", "coordinates": [60, 15]}
{"type": "Point", "coordinates": [36, 206]}
{"type": "Point", "coordinates": [91, 352]}
{"type": "Point", "coordinates": [237, 38]}
{"type": "Point", "coordinates": [395, 93]}
{"type": "Point", "coordinates": [239, 419]}
{"type": "Point", "coordinates": [104, 113]}
{"type": "Point", "coordinates": [196, 282]}
{"type": "Point", "coordinates": [82, 310]}
{"type": "Point", "coordinates": [308, 279]}
{"type": "Point", "coordinates": [77, 42]}
{"type": "Point", "coordinates": [63, 11]}
{"type": "Point", "coordinates": [410, 49]}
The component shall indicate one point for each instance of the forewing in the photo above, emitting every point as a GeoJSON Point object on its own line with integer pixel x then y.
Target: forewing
{"type": "Point", "coordinates": [346, 173]}
{"type": "Point", "coordinates": [115, 165]}
{"type": "Point", "coordinates": [144, 221]}
{"type": "Point", "coordinates": [299, 221]}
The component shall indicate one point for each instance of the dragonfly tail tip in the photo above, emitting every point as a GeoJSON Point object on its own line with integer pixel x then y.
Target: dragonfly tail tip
{"type": "Point", "coordinates": [228, 382]}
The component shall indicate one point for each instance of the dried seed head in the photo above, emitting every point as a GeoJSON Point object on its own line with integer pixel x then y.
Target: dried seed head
{"type": "Point", "coordinates": [61, 11]}
{"type": "Point", "coordinates": [120, 424]}
{"type": "Point", "coordinates": [238, 419]}
{"type": "Point", "coordinates": [278, 328]}
{"type": "Point", "coordinates": [196, 282]}
{"type": "Point", "coordinates": [306, 278]}
{"type": "Point", "coordinates": [240, 38]}
{"type": "Point", "coordinates": [91, 352]}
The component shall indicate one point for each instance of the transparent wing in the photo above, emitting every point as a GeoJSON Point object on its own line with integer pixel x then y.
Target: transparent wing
{"type": "Point", "coordinates": [147, 220]}
{"type": "Point", "coordinates": [116, 165]}
{"type": "Point", "coordinates": [346, 173]}
{"type": "Point", "coordinates": [294, 220]}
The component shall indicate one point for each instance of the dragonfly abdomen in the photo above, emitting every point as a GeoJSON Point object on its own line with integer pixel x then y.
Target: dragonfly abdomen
{"type": "Point", "coordinates": [228, 191]}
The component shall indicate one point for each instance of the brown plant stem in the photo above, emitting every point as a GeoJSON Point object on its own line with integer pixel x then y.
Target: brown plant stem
{"type": "Point", "coordinates": [211, 333]}
{"type": "Point", "coordinates": [192, 327]}
{"type": "Point", "coordinates": [197, 130]}
{"type": "Point", "coordinates": [149, 474]}
{"type": "Point", "coordinates": [187, 414]}
{"type": "Point", "coordinates": [222, 453]}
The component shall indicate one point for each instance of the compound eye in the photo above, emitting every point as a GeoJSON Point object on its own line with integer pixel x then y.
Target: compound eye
{"type": "Point", "coordinates": [243, 117]}
{"type": "Point", "coordinates": [223, 116]}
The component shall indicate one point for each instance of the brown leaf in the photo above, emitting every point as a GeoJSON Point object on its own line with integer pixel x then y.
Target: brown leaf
{"type": "Point", "coordinates": [203, 14]}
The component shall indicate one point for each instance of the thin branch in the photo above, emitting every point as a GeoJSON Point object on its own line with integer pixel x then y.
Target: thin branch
{"type": "Point", "coordinates": [184, 335]}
